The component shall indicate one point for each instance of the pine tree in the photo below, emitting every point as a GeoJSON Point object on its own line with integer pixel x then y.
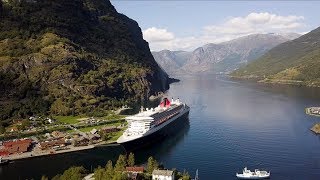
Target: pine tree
{"type": "Point", "coordinates": [121, 163]}
{"type": "Point", "coordinates": [43, 177]}
{"type": "Point", "coordinates": [150, 167]}
{"type": "Point", "coordinates": [152, 164]}
{"type": "Point", "coordinates": [99, 173]}
{"type": "Point", "coordinates": [119, 176]}
{"type": "Point", "coordinates": [109, 170]}
{"type": "Point", "coordinates": [73, 173]}
{"type": "Point", "coordinates": [131, 161]}
{"type": "Point", "coordinates": [2, 129]}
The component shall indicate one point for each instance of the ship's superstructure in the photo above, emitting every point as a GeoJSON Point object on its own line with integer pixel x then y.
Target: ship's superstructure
{"type": "Point", "coordinates": [150, 121]}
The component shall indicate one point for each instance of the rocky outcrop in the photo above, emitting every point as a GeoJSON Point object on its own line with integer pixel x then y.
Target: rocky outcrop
{"type": "Point", "coordinates": [316, 128]}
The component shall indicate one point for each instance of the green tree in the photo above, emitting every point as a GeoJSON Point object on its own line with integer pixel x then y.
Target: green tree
{"type": "Point", "coordinates": [44, 177]}
{"type": "Point", "coordinates": [2, 129]}
{"type": "Point", "coordinates": [185, 176]}
{"type": "Point", "coordinates": [25, 124]}
{"type": "Point", "coordinates": [152, 164]}
{"type": "Point", "coordinates": [131, 161]}
{"type": "Point", "coordinates": [73, 173]}
{"type": "Point", "coordinates": [121, 163]}
{"type": "Point", "coordinates": [56, 177]}
{"type": "Point", "coordinates": [119, 175]}
{"type": "Point", "coordinates": [109, 170]}
{"type": "Point", "coordinates": [99, 173]}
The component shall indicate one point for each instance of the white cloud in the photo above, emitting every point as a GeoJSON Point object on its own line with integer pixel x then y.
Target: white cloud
{"type": "Point", "coordinates": [157, 35]}
{"type": "Point", "coordinates": [232, 28]}
{"type": "Point", "coordinates": [256, 23]}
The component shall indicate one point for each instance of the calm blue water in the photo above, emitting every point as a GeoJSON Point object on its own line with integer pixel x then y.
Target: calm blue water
{"type": "Point", "coordinates": [231, 125]}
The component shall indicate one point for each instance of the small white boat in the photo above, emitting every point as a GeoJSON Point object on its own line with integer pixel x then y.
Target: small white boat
{"type": "Point", "coordinates": [256, 174]}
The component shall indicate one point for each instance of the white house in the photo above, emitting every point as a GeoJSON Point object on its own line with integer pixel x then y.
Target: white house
{"type": "Point", "coordinates": [162, 175]}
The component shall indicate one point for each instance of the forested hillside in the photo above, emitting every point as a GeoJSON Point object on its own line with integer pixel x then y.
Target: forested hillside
{"type": "Point", "coordinates": [72, 57]}
{"type": "Point", "coordinates": [292, 62]}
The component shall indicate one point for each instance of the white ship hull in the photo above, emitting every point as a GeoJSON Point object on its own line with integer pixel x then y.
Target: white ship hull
{"type": "Point", "coordinates": [156, 133]}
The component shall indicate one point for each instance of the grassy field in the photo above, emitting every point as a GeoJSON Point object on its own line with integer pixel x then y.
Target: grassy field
{"type": "Point", "coordinates": [115, 136]}
{"type": "Point", "coordinates": [113, 117]}
{"type": "Point", "coordinates": [76, 119]}
{"type": "Point", "coordinates": [87, 129]}
{"type": "Point", "coordinates": [68, 119]}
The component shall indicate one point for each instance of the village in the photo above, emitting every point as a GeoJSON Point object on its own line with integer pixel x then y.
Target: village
{"type": "Point", "coordinates": [44, 136]}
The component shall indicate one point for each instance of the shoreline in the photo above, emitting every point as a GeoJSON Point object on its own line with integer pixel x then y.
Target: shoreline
{"type": "Point", "coordinates": [273, 81]}
{"type": "Point", "coordinates": [42, 153]}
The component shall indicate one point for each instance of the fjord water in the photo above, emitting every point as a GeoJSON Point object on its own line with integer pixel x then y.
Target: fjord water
{"type": "Point", "coordinates": [231, 125]}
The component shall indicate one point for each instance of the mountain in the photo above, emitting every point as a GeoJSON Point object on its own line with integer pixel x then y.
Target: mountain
{"type": "Point", "coordinates": [72, 57]}
{"type": "Point", "coordinates": [223, 57]}
{"type": "Point", "coordinates": [171, 61]}
{"type": "Point", "coordinates": [293, 62]}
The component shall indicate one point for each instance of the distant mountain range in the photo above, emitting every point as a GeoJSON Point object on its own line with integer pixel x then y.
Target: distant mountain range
{"type": "Point", "coordinates": [220, 58]}
{"type": "Point", "coordinates": [293, 62]}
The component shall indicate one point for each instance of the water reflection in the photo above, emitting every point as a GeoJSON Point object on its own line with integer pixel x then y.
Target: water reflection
{"type": "Point", "coordinates": [165, 147]}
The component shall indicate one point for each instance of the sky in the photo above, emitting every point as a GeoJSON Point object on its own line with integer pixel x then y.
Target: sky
{"type": "Point", "coordinates": [186, 25]}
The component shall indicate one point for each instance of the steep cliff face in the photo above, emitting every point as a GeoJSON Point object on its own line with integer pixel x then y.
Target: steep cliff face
{"type": "Point", "coordinates": [171, 61]}
{"type": "Point", "coordinates": [72, 57]}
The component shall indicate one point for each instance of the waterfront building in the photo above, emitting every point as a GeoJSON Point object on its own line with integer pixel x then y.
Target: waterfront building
{"type": "Point", "coordinates": [53, 143]}
{"type": "Point", "coordinates": [16, 146]}
{"type": "Point", "coordinates": [162, 175]}
{"type": "Point", "coordinates": [133, 172]}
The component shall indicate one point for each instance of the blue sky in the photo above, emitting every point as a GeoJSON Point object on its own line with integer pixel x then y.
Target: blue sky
{"type": "Point", "coordinates": [185, 25]}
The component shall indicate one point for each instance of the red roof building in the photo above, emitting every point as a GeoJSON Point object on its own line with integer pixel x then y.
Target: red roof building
{"type": "Point", "coordinates": [18, 146]}
{"type": "Point", "coordinates": [53, 143]}
{"type": "Point", "coordinates": [133, 173]}
{"type": "Point", "coordinates": [135, 169]}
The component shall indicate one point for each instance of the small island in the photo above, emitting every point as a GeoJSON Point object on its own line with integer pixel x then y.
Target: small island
{"type": "Point", "coordinates": [316, 128]}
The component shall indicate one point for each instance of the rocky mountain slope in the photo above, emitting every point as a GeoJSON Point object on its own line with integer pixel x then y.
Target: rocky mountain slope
{"type": "Point", "coordinates": [293, 62]}
{"type": "Point", "coordinates": [224, 57]}
{"type": "Point", "coordinates": [171, 61]}
{"type": "Point", "coordinates": [72, 57]}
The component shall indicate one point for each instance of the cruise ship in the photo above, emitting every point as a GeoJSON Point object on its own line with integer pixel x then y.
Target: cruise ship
{"type": "Point", "coordinates": [150, 125]}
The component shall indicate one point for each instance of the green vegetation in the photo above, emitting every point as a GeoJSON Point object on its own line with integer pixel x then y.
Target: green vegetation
{"type": "Point", "coordinates": [152, 164]}
{"type": "Point", "coordinates": [115, 135]}
{"type": "Point", "coordinates": [113, 117]}
{"type": "Point", "coordinates": [121, 163]}
{"type": "Point", "coordinates": [131, 160]}
{"type": "Point", "coordinates": [71, 58]}
{"type": "Point", "coordinates": [68, 119]}
{"type": "Point", "coordinates": [116, 172]}
{"type": "Point", "coordinates": [89, 128]}
{"type": "Point", "coordinates": [293, 62]}
{"type": "Point", "coordinates": [111, 137]}
{"type": "Point", "coordinates": [73, 173]}
{"type": "Point", "coordinates": [182, 176]}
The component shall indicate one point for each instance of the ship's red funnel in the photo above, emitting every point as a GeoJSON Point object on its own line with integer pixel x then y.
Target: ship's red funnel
{"type": "Point", "coordinates": [165, 103]}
